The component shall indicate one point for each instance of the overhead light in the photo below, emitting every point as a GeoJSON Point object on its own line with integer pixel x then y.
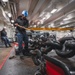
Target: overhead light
{"type": "Point", "coordinates": [49, 26]}
{"type": "Point", "coordinates": [38, 23]}
{"type": "Point", "coordinates": [9, 14]}
{"type": "Point", "coordinates": [42, 21]}
{"type": "Point", "coordinates": [67, 18]}
{"type": "Point", "coordinates": [12, 21]}
{"type": "Point", "coordinates": [5, 0]}
{"type": "Point", "coordinates": [4, 27]}
{"type": "Point", "coordinates": [52, 24]}
{"type": "Point", "coordinates": [11, 24]}
{"type": "Point", "coordinates": [30, 26]}
{"type": "Point", "coordinates": [61, 23]}
{"type": "Point", "coordinates": [42, 14]}
{"type": "Point", "coordinates": [47, 15]}
{"type": "Point", "coordinates": [70, 16]}
{"type": "Point", "coordinates": [53, 11]}
{"type": "Point", "coordinates": [43, 18]}
{"type": "Point", "coordinates": [34, 26]}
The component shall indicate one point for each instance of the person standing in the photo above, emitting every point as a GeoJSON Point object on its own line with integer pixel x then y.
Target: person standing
{"type": "Point", "coordinates": [21, 33]}
{"type": "Point", "coordinates": [5, 38]}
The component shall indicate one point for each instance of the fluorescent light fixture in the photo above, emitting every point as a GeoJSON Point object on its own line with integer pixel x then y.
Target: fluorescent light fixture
{"type": "Point", "coordinates": [61, 23]}
{"type": "Point", "coordinates": [34, 26]}
{"type": "Point", "coordinates": [41, 21]}
{"type": "Point", "coordinates": [4, 27]}
{"type": "Point", "coordinates": [52, 24]}
{"type": "Point", "coordinates": [5, 0]}
{"type": "Point", "coordinates": [67, 18]}
{"type": "Point", "coordinates": [53, 11]}
{"type": "Point", "coordinates": [9, 14]}
{"type": "Point", "coordinates": [49, 26]}
{"type": "Point", "coordinates": [11, 24]}
{"type": "Point", "coordinates": [38, 23]}
{"type": "Point", "coordinates": [43, 18]}
{"type": "Point", "coordinates": [30, 26]}
{"type": "Point", "coordinates": [47, 15]}
{"type": "Point", "coordinates": [70, 16]}
{"type": "Point", "coordinates": [42, 14]}
{"type": "Point", "coordinates": [12, 21]}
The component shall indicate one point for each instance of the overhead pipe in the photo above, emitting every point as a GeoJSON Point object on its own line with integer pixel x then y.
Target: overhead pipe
{"type": "Point", "coordinates": [42, 8]}
{"type": "Point", "coordinates": [69, 7]}
{"type": "Point", "coordinates": [66, 24]}
{"type": "Point", "coordinates": [37, 7]}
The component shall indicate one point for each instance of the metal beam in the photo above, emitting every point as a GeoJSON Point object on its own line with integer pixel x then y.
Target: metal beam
{"type": "Point", "coordinates": [63, 11]}
{"type": "Point", "coordinates": [23, 5]}
{"type": "Point", "coordinates": [66, 24]}
{"type": "Point", "coordinates": [38, 6]}
{"type": "Point", "coordinates": [42, 8]}
{"type": "Point", "coordinates": [32, 6]}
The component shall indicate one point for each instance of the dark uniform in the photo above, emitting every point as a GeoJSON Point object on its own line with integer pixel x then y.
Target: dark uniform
{"type": "Point", "coordinates": [5, 38]}
{"type": "Point", "coordinates": [21, 34]}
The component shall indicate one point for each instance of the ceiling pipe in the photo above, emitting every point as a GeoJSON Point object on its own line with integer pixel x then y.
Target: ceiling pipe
{"type": "Point", "coordinates": [45, 4]}
{"type": "Point", "coordinates": [32, 6]}
{"type": "Point", "coordinates": [39, 4]}
{"type": "Point", "coordinates": [66, 24]}
{"type": "Point", "coordinates": [69, 7]}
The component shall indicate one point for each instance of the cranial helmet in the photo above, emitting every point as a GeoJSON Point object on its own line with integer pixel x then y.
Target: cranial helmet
{"type": "Point", "coordinates": [25, 13]}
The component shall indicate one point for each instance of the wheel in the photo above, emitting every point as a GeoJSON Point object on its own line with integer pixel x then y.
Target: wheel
{"type": "Point", "coordinates": [35, 60]}
{"type": "Point", "coordinates": [70, 44]}
{"type": "Point", "coordinates": [68, 47]}
{"type": "Point", "coordinates": [67, 53]}
{"type": "Point", "coordinates": [37, 73]}
{"type": "Point", "coordinates": [63, 39]}
{"type": "Point", "coordinates": [34, 57]}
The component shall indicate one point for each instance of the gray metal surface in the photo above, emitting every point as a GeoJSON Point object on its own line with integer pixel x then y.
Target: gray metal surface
{"type": "Point", "coordinates": [2, 45]}
{"type": "Point", "coordinates": [16, 66]}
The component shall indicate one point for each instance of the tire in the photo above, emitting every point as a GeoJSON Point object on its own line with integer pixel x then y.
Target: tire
{"type": "Point", "coordinates": [68, 50]}
{"type": "Point", "coordinates": [37, 73]}
{"type": "Point", "coordinates": [54, 45]}
{"type": "Point", "coordinates": [35, 60]}
{"type": "Point", "coordinates": [64, 54]}
{"type": "Point", "coordinates": [70, 44]}
{"type": "Point", "coordinates": [34, 57]}
{"type": "Point", "coordinates": [62, 40]}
